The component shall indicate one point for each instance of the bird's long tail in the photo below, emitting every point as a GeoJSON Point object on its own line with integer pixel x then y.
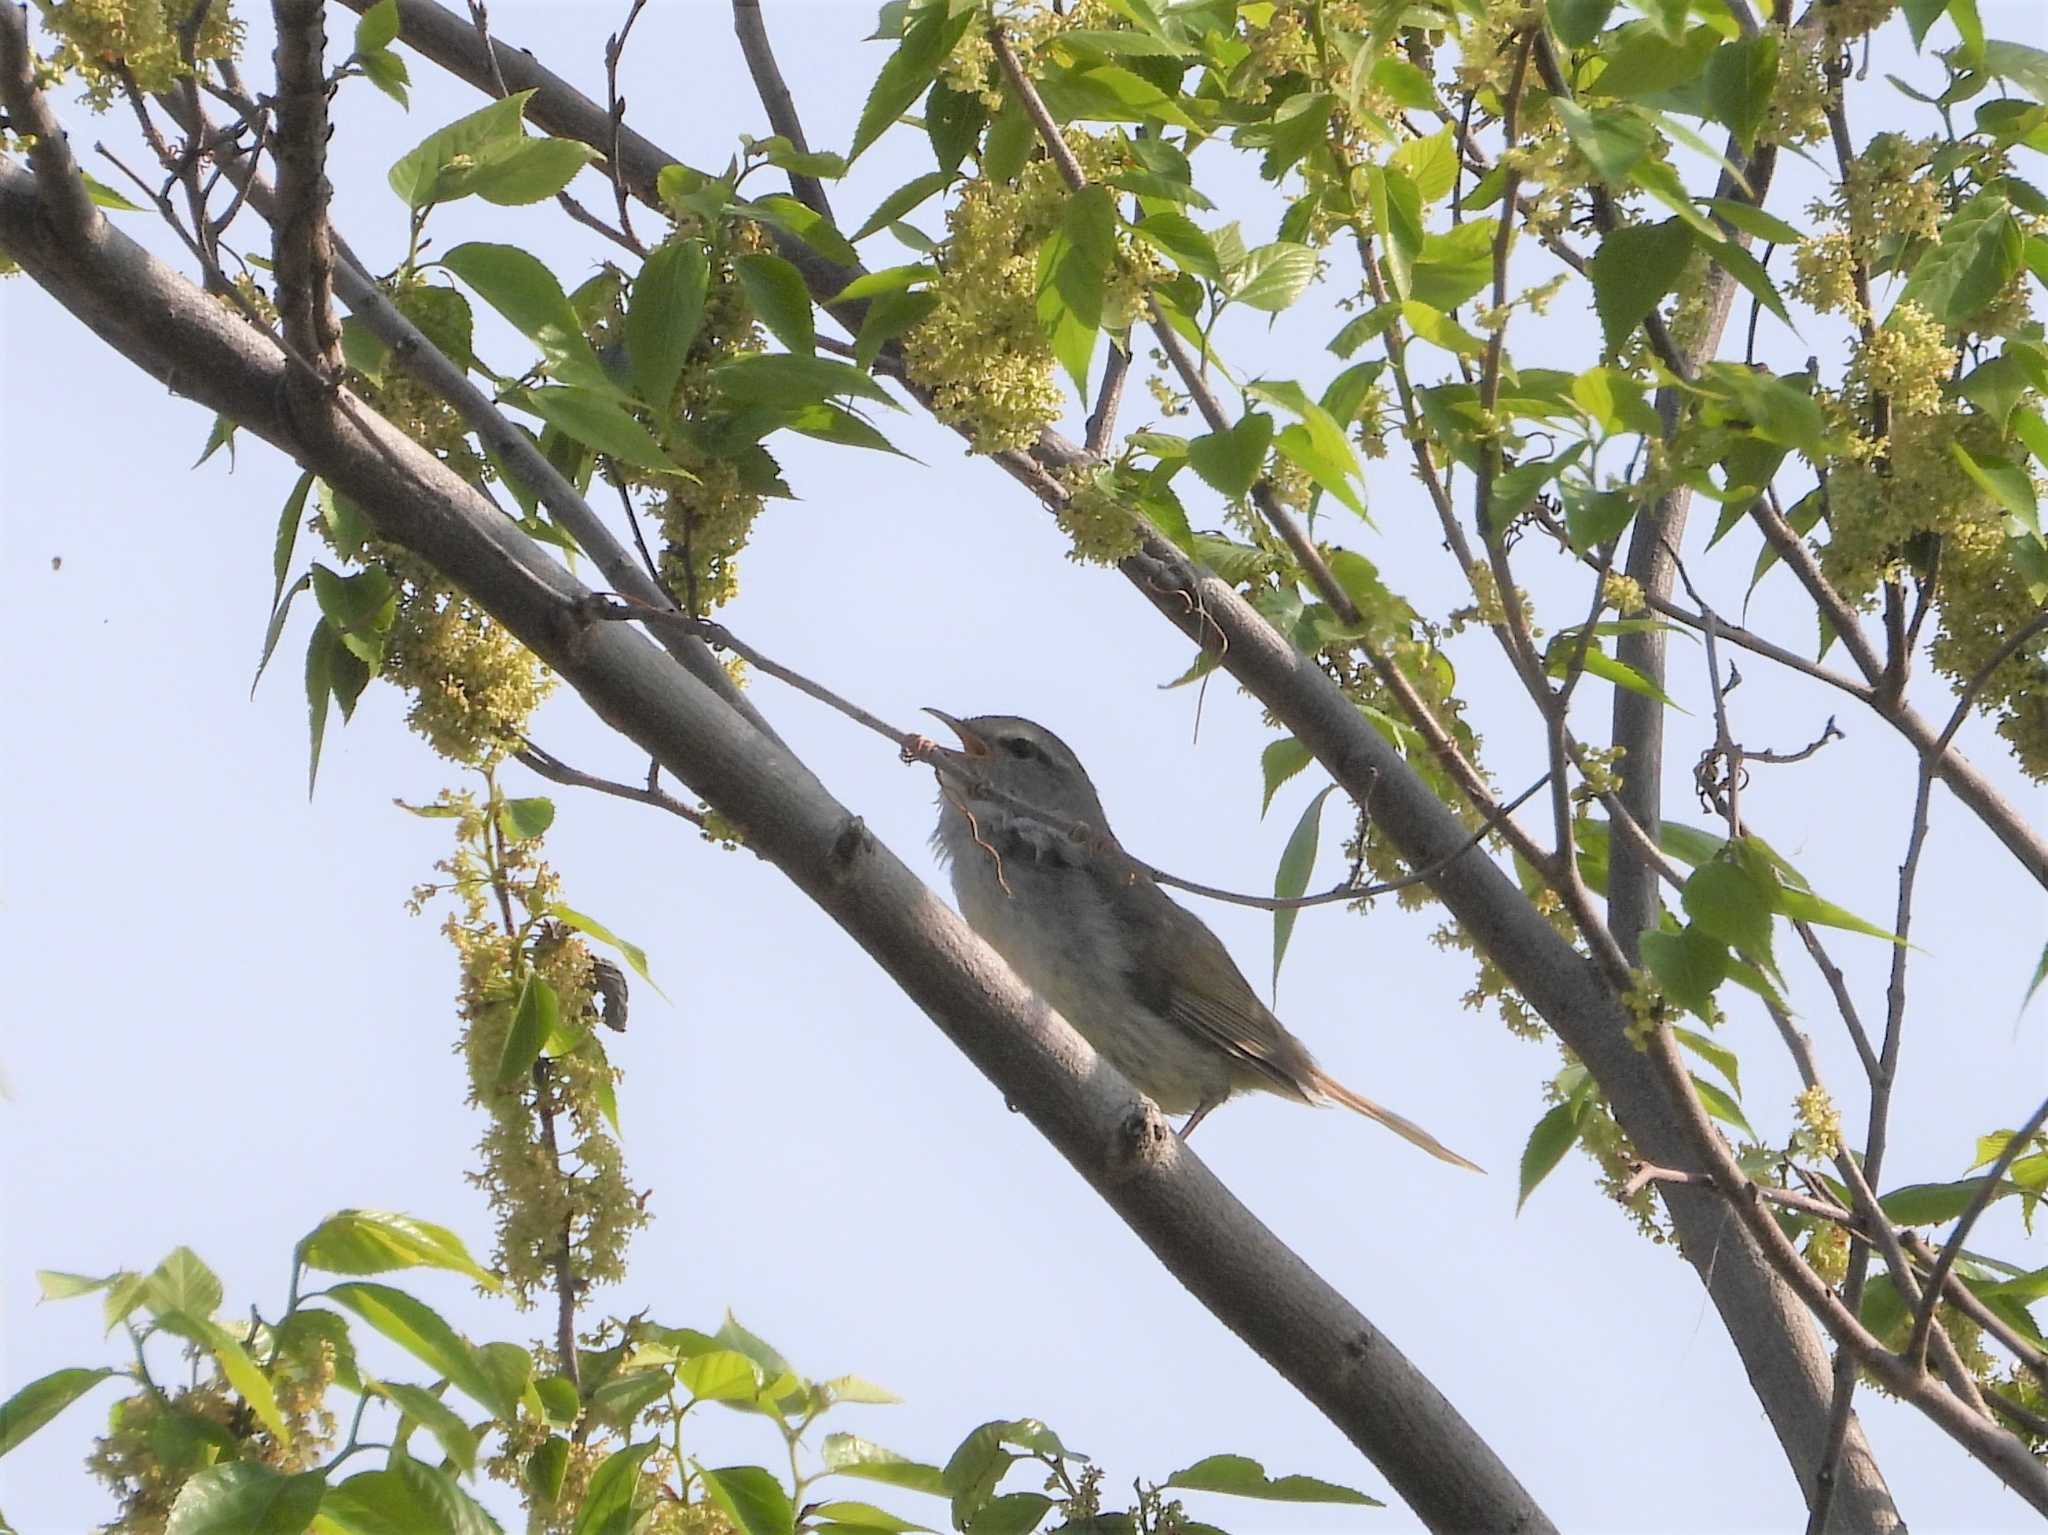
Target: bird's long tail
{"type": "Point", "coordinates": [1407, 1129]}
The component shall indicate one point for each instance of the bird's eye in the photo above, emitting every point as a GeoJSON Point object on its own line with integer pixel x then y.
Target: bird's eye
{"type": "Point", "coordinates": [1020, 748]}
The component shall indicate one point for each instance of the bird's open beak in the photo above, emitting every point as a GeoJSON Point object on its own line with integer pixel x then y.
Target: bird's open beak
{"type": "Point", "coordinates": [971, 745]}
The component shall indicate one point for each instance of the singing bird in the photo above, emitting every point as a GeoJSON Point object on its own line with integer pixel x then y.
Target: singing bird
{"type": "Point", "coordinates": [1140, 977]}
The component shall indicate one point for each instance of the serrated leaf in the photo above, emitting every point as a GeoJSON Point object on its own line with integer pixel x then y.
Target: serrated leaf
{"type": "Point", "coordinates": [524, 291]}
{"type": "Point", "coordinates": [752, 1498]}
{"type": "Point", "coordinates": [664, 317]}
{"type": "Point", "coordinates": [420, 1330]}
{"type": "Point", "coordinates": [453, 1435]}
{"type": "Point", "coordinates": [912, 194]}
{"type": "Point", "coordinates": [378, 1241]}
{"type": "Point", "coordinates": [418, 175]}
{"type": "Point", "coordinates": [1726, 902]}
{"type": "Point", "coordinates": [1554, 1135]}
{"type": "Point", "coordinates": [41, 1400]}
{"type": "Point", "coordinates": [1631, 272]}
{"type": "Point", "coordinates": [1244, 1477]}
{"type": "Point", "coordinates": [1280, 762]}
{"type": "Point", "coordinates": [1689, 965]}
{"type": "Point", "coordinates": [851, 1455]}
{"type": "Point", "coordinates": [245, 1498]}
{"type": "Point", "coordinates": [1272, 277]}
{"type": "Point", "coordinates": [931, 35]}
{"type": "Point", "coordinates": [1290, 879]}
{"type": "Point", "coordinates": [1231, 461]}
{"type": "Point", "coordinates": [538, 1013]}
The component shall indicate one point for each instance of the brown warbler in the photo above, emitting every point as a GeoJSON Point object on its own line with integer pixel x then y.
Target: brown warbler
{"type": "Point", "coordinates": [1141, 978]}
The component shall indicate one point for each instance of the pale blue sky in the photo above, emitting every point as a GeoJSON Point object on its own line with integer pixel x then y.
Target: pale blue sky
{"type": "Point", "coordinates": [226, 1026]}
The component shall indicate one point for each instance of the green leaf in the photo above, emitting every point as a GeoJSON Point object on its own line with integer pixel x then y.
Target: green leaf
{"type": "Point", "coordinates": [1452, 267]}
{"type": "Point", "coordinates": [182, 1283]}
{"type": "Point", "coordinates": [789, 378]}
{"type": "Point", "coordinates": [1632, 270]}
{"type": "Point", "coordinates": [1642, 61]}
{"type": "Point", "coordinates": [662, 322]}
{"type": "Point", "coordinates": [1182, 241]}
{"type": "Point", "coordinates": [609, 1506]}
{"type": "Point", "coordinates": [776, 292]}
{"type": "Point", "coordinates": [2005, 482]}
{"type": "Point", "coordinates": [548, 1467]}
{"type": "Point", "coordinates": [245, 1498]}
{"type": "Point", "coordinates": [1553, 1136]}
{"type": "Point", "coordinates": [1290, 879]}
{"type": "Point", "coordinates": [593, 419]}
{"type": "Point", "coordinates": [41, 1400]}
{"type": "Point", "coordinates": [1318, 445]}
{"type": "Point", "coordinates": [377, 27]}
{"type": "Point", "coordinates": [419, 175]}
{"type": "Point", "coordinates": [1245, 1478]}
{"type": "Point", "coordinates": [1742, 77]}
{"type": "Point", "coordinates": [865, 1516]}
{"type": "Point", "coordinates": [1722, 1060]}
{"type": "Point", "coordinates": [408, 1498]}
{"type": "Point", "coordinates": [2040, 974]}
{"type": "Point", "coordinates": [1774, 409]}
{"type": "Point", "coordinates": [1073, 263]}
{"type": "Point", "coordinates": [590, 927]}
{"type": "Point", "coordinates": [1272, 277]}
{"type": "Point", "coordinates": [1727, 903]}
{"type": "Point", "coordinates": [851, 1455]}
{"type": "Point", "coordinates": [289, 517]}
{"type": "Point", "coordinates": [1232, 461]}
{"type": "Point", "coordinates": [538, 1014]}
{"type": "Point", "coordinates": [1980, 250]}
{"type": "Point", "coordinates": [1439, 329]}
{"type": "Point", "coordinates": [1748, 271]}
{"type": "Point", "coordinates": [931, 35]}
{"type": "Point", "coordinates": [1598, 663]}
{"type": "Point", "coordinates": [1280, 762]}
{"type": "Point", "coordinates": [521, 820]}
{"type": "Point", "coordinates": [1014, 1513]}
{"type": "Point", "coordinates": [1578, 22]}
{"type": "Point", "coordinates": [1431, 163]}
{"type": "Point", "coordinates": [386, 70]}
{"type": "Point", "coordinates": [453, 1435]}
{"type": "Point", "coordinates": [525, 292]}
{"type": "Point", "coordinates": [378, 1241]}
{"type": "Point", "coordinates": [1935, 1204]}
{"type": "Point", "coordinates": [222, 436]}
{"type": "Point", "coordinates": [973, 1471]}
{"type": "Point", "coordinates": [1396, 205]}
{"type": "Point", "coordinates": [418, 1329]}
{"type": "Point", "coordinates": [274, 631]}
{"type": "Point", "coordinates": [720, 1375]}
{"type": "Point", "coordinates": [752, 1498]}
{"type": "Point", "coordinates": [913, 193]}
{"type": "Point", "coordinates": [1612, 139]}
{"type": "Point", "coordinates": [518, 173]}
{"type": "Point", "coordinates": [1722, 1107]}
{"type": "Point", "coordinates": [1689, 965]}
{"type": "Point", "coordinates": [1109, 93]}
{"type": "Point", "coordinates": [889, 316]}
{"type": "Point", "coordinates": [953, 120]}
{"type": "Point", "coordinates": [805, 223]}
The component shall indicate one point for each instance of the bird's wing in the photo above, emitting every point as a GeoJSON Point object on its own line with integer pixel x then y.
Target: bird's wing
{"type": "Point", "coordinates": [1181, 969]}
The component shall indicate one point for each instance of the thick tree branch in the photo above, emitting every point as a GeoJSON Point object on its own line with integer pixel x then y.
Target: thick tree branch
{"type": "Point", "coordinates": [1115, 1139]}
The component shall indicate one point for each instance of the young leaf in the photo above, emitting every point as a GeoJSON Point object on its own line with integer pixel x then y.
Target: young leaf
{"type": "Point", "coordinates": [1280, 762]}
{"type": "Point", "coordinates": [1635, 267]}
{"type": "Point", "coordinates": [1297, 862]}
{"type": "Point", "coordinates": [592, 928]}
{"type": "Point", "coordinates": [1552, 1137]}
{"type": "Point", "coordinates": [41, 1400]}
{"type": "Point", "coordinates": [1689, 965]}
{"type": "Point", "coordinates": [931, 35]}
{"type": "Point", "coordinates": [1726, 902]}
{"type": "Point", "coordinates": [1272, 277]}
{"type": "Point", "coordinates": [377, 1241]}
{"type": "Point", "coordinates": [590, 417]}
{"type": "Point", "coordinates": [901, 201]}
{"type": "Point", "coordinates": [524, 291]}
{"type": "Point", "coordinates": [851, 1455]}
{"type": "Point", "coordinates": [377, 27]}
{"type": "Point", "coordinates": [1742, 77]}
{"type": "Point", "coordinates": [419, 175]}
{"type": "Point", "coordinates": [245, 1498]}
{"type": "Point", "coordinates": [776, 291]}
{"type": "Point", "coordinates": [1231, 461]}
{"type": "Point", "coordinates": [663, 319]}
{"type": "Point", "coordinates": [418, 1329]}
{"type": "Point", "coordinates": [752, 1498]}
{"type": "Point", "coordinates": [1243, 1477]}
{"type": "Point", "coordinates": [539, 1013]}
{"type": "Point", "coordinates": [610, 1504]}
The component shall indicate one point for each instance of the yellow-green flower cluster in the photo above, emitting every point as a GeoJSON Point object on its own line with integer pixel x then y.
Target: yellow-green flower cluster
{"type": "Point", "coordinates": [102, 37]}
{"type": "Point", "coordinates": [1827, 1252]}
{"type": "Point", "coordinates": [474, 687]}
{"type": "Point", "coordinates": [1820, 1124]}
{"type": "Point", "coordinates": [553, 1173]}
{"type": "Point", "coordinates": [1095, 518]}
{"type": "Point", "coordinates": [1846, 19]}
{"type": "Point", "coordinates": [1798, 108]}
{"type": "Point", "coordinates": [1624, 594]}
{"type": "Point", "coordinates": [981, 352]}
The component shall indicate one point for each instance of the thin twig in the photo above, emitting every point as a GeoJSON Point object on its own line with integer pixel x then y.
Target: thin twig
{"type": "Point", "coordinates": [1108, 397]}
{"type": "Point", "coordinates": [552, 767]}
{"type": "Point", "coordinates": [615, 109]}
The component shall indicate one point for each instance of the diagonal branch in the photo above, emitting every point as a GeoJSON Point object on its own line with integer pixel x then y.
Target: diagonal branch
{"type": "Point", "coordinates": [1118, 1142]}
